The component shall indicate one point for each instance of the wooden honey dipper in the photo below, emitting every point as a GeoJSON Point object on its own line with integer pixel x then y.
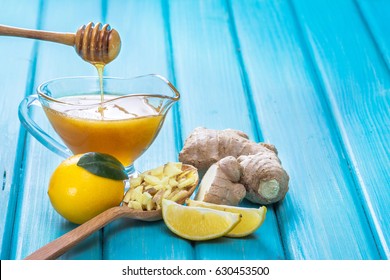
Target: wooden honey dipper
{"type": "Point", "coordinates": [93, 43]}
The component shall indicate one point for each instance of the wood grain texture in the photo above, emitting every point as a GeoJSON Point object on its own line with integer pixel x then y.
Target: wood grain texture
{"type": "Point", "coordinates": [375, 15]}
{"type": "Point", "coordinates": [357, 91]}
{"type": "Point", "coordinates": [144, 51]}
{"type": "Point", "coordinates": [207, 69]}
{"type": "Point", "coordinates": [311, 77]}
{"type": "Point", "coordinates": [62, 244]}
{"type": "Point", "coordinates": [17, 60]}
{"type": "Point", "coordinates": [321, 216]}
{"type": "Point", "coordinates": [37, 223]}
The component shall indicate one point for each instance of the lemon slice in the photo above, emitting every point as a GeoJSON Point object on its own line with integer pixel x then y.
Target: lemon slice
{"type": "Point", "coordinates": [251, 218]}
{"type": "Point", "coordinates": [197, 223]}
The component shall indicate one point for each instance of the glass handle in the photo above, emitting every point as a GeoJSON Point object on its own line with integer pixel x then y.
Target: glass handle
{"type": "Point", "coordinates": [36, 130]}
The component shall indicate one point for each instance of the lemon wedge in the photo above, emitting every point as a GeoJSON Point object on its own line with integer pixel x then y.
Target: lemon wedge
{"type": "Point", "coordinates": [251, 218]}
{"type": "Point", "coordinates": [197, 223]}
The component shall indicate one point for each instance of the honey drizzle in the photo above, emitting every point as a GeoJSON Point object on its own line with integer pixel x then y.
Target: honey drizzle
{"type": "Point", "coordinates": [100, 70]}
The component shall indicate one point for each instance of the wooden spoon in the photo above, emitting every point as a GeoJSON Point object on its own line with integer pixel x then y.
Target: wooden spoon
{"type": "Point", "coordinates": [93, 43]}
{"type": "Point", "coordinates": [62, 244]}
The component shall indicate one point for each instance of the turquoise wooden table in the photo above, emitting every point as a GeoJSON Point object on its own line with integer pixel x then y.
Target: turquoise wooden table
{"type": "Point", "coordinates": [311, 77]}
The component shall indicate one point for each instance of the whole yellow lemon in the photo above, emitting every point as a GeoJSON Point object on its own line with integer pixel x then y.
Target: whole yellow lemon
{"type": "Point", "coordinates": [79, 195]}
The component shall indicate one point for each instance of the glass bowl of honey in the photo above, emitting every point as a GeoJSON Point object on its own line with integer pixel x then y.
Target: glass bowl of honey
{"type": "Point", "coordinates": [122, 121]}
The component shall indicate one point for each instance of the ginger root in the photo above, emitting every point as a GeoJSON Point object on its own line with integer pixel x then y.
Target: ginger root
{"type": "Point", "coordinates": [220, 183]}
{"type": "Point", "coordinates": [263, 176]}
{"type": "Point", "coordinates": [259, 168]}
{"type": "Point", "coordinates": [205, 147]}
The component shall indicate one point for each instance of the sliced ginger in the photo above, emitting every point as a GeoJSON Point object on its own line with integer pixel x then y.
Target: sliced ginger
{"type": "Point", "coordinates": [168, 181]}
{"type": "Point", "coordinates": [220, 184]}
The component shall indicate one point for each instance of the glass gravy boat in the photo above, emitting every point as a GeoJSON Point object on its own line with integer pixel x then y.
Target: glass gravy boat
{"type": "Point", "coordinates": [124, 125]}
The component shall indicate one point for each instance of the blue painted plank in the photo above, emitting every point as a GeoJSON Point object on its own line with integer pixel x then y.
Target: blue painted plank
{"type": "Point", "coordinates": [322, 216]}
{"type": "Point", "coordinates": [36, 220]}
{"type": "Point", "coordinates": [376, 15]}
{"type": "Point", "coordinates": [144, 51]}
{"type": "Point", "coordinates": [297, 109]}
{"type": "Point", "coordinates": [16, 66]}
{"type": "Point", "coordinates": [358, 93]}
{"type": "Point", "coordinates": [208, 73]}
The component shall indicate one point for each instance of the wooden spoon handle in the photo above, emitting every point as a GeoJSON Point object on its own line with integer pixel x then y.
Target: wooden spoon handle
{"type": "Point", "coordinates": [62, 244]}
{"type": "Point", "coordinates": [57, 37]}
